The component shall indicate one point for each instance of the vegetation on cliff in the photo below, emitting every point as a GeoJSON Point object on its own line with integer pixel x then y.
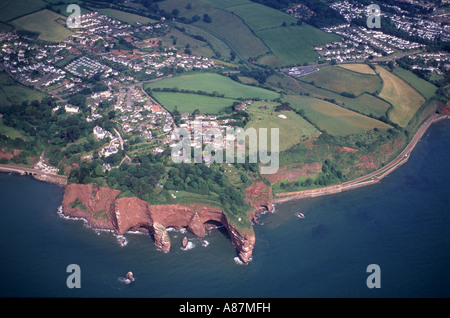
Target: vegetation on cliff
{"type": "Point", "coordinates": [156, 180]}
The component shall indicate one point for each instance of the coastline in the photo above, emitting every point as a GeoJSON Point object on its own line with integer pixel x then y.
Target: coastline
{"type": "Point", "coordinates": [366, 180]}
{"type": "Point", "coordinates": [36, 174]}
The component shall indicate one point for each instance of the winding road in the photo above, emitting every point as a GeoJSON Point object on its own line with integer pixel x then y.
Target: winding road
{"type": "Point", "coordinates": [371, 178]}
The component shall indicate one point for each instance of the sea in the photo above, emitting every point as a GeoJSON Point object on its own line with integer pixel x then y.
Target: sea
{"type": "Point", "coordinates": [402, 225]}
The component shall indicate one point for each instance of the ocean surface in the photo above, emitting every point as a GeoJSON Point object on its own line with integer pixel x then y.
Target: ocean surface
{"type": "Point", "coordinates": [401, 224]}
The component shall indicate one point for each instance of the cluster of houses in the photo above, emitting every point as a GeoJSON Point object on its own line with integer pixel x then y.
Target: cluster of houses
{"type": "Point", "coordinates": [25, 62]}
{"type": "Point", "coordinates": [299, 11]}
{"type": "Point", "coordinates": [346, 50]}
{"type": "Point", "coordinates": [432, 62]}
{"type": "Point", "coordinates": [421, 25]}
{"type": "Point", "coordinates": [204, 131]}
{"type": "Point", "coordinates": [85, 67]}
{"type": "Point", "coordinates": [361, 43]}
{"type": "Point", "coordinates": [114, 143]}
{"type": "Point", "coordinates": [139, 113]}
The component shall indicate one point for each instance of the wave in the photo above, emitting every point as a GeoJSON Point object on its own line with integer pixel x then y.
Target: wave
{"type": "Point", "coordinates": [182, 230]}
{"type": "Point", "coordinates": [121, 240]}
{"type": "Point", "coordinates": [188, 247]}
{"type": "Point", "coordinates": [205, 243]}
{"type": "Point", "coordinates": [61, 214]}
{"type": "Point", "coordinates": [124, 280]}
{"type": "Point", "coordinates": [238, 261]}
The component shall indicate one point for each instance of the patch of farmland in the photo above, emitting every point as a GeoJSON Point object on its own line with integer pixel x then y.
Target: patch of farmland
{"type": "Point", "coordinates": [336, 120]}
{"type": "Point", "coordinates": [210, 83]}
{"type": "Point", "coordinates": [187, 103]}
{"type": "Point", "coordinates": [294, 44]}
{"type": "Point", "coordinates": [44, 23]}
{"type": "Point", "coordinates": [341, 80]}
{"type": "Point", "coordinates": [404, 98]}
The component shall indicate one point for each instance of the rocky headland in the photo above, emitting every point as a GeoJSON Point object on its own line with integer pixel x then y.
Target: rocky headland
{"type": "Point", "coordinates": [103, 209]}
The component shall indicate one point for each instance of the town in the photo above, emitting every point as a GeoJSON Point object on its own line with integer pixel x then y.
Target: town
{"type": "Point", "coordinates": [100, 70]}
{"type": "Point", "coordinates": [114, 70]}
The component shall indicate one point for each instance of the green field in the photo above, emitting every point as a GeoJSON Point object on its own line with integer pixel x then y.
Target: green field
{"type": "Point", "coordinates": [341, 80]}
{"type": "Point", "coordinates": [424, 87]}
{"type": "Point", "coordinates": [366, 103]}
{"type": "Point", "coordinates": [294, 44]}
{"type": "Point", "coordinates": [334, 119]}
{"type": "Point", "coordinates": [259, 17]}
{"type": "Point", "coordinates": [225, 26]}
{"type": "Point", "coordinates": [404, 98]}
{"type": "Point", "coordinates": [189, 102]}
{"type": "Point", "coordinates": [292, 129]}
{"type": "Point", "coordinates": [129, 18]}
{"type": "Point", "coordinates": [218, 46]}
{"type": "Point", "coordinates": [12, 132]}
{"type": "Point", "coordinates": [211, 82]}
{"type": "Point", "coordinates": [360, 68]}
{"type": "Point", "coordinates": [14, 93]}
{"type": "Point", "coordinates": [44, 22]}
{"type": "Point", "coordinates": [11, 9]}
{"type": "Point", "coordinates": [226, 4]}
{"type": "Point", "coordinates": [252, 30]}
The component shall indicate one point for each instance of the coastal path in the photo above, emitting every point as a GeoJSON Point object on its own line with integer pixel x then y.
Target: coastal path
{"type": "Point", "coordinates": [371, 178]}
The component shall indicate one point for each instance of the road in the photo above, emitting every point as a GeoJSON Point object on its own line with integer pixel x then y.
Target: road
{"type": "Point", "coordinates": [38, 174]}
{"type": "Point", "coordinates": [371, 178]}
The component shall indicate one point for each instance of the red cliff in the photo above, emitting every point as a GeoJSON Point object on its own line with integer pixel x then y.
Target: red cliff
{"type": "Point", "coordinates": [102, 209]}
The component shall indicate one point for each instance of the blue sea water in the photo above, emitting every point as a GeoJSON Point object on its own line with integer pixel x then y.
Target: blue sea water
{"type": "Point", "coordinates": [401, 224]}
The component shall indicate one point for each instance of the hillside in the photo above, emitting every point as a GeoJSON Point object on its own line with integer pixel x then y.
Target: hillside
{"type": "Point", "coordinates": [252, 30]}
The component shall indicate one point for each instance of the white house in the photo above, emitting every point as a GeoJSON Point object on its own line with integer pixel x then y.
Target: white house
{"type": "Point", "coordinates": [72, 109]}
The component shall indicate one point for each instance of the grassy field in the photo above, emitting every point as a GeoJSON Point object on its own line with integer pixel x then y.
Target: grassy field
{"type": "Point", "coordinates": [230, 29]}
{"type": "Point", "coordinates": [190, 102]}
{"type": "Point", "coordinates": [292, 129]}
{"type": "Point", "coordinates": [294, 44]}
{"type": "Point", "coordinates": [225, 26]}
{"type": "Point", "coordinates": [226, 4]}
{"type": "Point", "coordinates": [360, 68]}
{"type": "Point", "coordinates": [252, 30]}
{"type": "Point", "coordinates": [12, 132]}
{"type": "Point", "coordinates": [217, 45]}
{"type": "Point", "coordinates": [334, 119]}
{"type": "Point", "coordinates": [341, 80]}
{"type": "Point", "coordinates": [14, 93]}
{"type": "Point", "coordinates": [210, 82]}
{"type": "Point", "coordinates": [259, 17]}
{"type": "Point", "coordinates": [404, 98]}
{"type": "Point", "coordinates": [424, 87]}
{"type": "Point", "coordinates": [11, 9]}
{"type": "Point", "coordinates": [366, 103]}
{"type": "Point", "coordinates": [44, 22]}
{"type": "Point", "coordinates": [129, 18]}
{"type": "Point", "coordinates": [197, 47]}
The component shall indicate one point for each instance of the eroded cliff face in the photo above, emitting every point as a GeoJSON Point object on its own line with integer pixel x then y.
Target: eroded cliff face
{"type": "Point", "coordinates": [93, 203]}
{"type": "Point", "coordinates": [260, 197]}
{"type": "Point", "coordinates": [102, 209]}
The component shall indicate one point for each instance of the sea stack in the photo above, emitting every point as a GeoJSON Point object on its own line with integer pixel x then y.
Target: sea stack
{"type": "Point", "coordinates": [185, 242]}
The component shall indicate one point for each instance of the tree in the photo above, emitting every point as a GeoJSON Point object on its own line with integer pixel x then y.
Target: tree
{"type": "Point", "coordinates": [207, 18]}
